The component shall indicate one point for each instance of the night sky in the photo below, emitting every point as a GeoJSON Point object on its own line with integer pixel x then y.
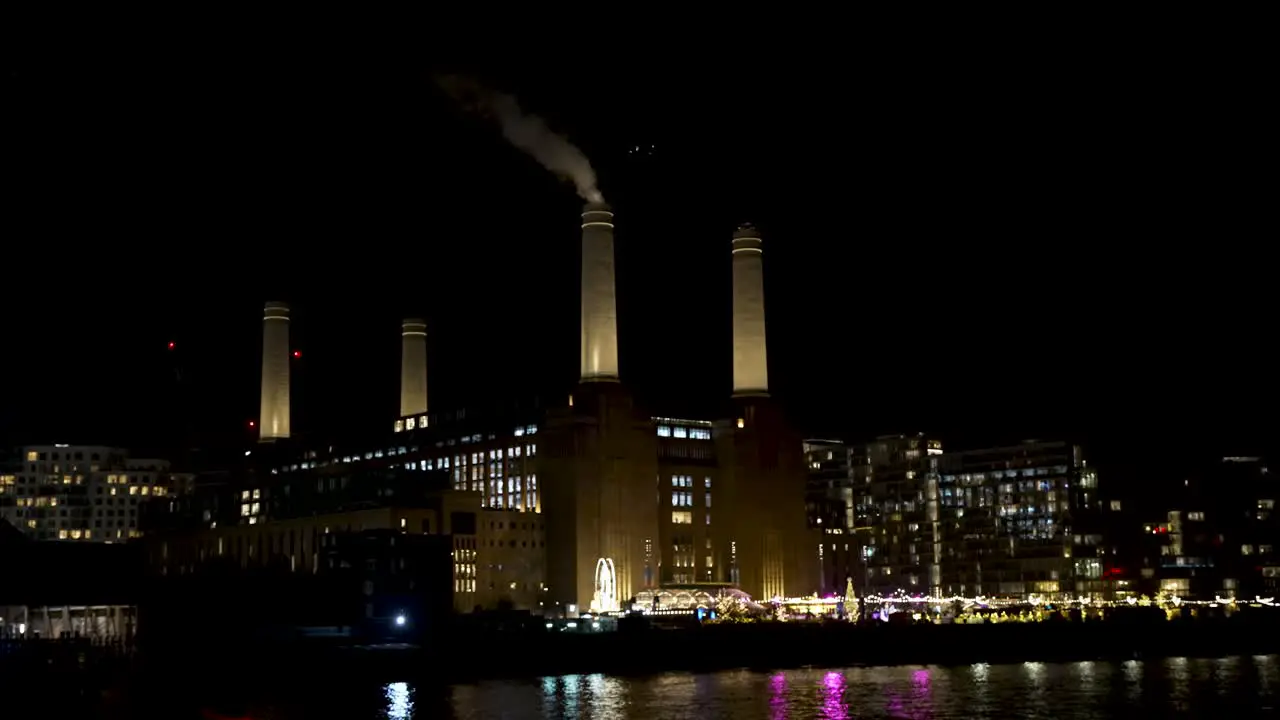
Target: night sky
{"type": "Point", "coordinates": [987, 248]}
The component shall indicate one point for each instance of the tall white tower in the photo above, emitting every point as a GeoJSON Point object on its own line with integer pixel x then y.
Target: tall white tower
{"type": "Point", "coordinates": [413, 367]}
{"type": "Point", "coordinates": [750, 357]}
{"type": "Point", "coordinates": [273, 420]}
{"type": "Point", "coordinates": [599, 308]}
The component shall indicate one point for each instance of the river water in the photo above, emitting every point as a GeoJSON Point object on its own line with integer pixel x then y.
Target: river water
{"type": "Point", "coordinates": [1231, 687]}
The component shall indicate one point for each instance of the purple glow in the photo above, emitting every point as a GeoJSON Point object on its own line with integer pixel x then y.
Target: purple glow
{"type": "Point", "coordinates": [894, 704]}
{"type": "Point", "coordinates": [833, 696]}
{"type": "Point", "coordinates": [778, 697]}
{"type": "Point", "coordinates": [921, 697]}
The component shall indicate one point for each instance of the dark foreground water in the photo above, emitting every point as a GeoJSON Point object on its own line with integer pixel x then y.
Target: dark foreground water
{"type": "Point", "coordinates": [1231, 687]}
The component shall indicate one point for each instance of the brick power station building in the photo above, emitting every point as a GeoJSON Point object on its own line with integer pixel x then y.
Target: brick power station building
{"type": "Point", "coordinates": [580, 504]}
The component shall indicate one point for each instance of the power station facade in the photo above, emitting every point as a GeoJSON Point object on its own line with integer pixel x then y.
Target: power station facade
{"type": "Point", "coordinates": [624, 501]}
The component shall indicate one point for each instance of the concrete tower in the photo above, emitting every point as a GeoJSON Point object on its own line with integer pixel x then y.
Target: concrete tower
{"type": "Point", "coordinates": [599, 309]}
{"type": "Point", "coordinates": [750, 358]}
{"type": "Point", "coordinates": [413, 367]}
{"type": "Point", "coordinates": [273, 420]}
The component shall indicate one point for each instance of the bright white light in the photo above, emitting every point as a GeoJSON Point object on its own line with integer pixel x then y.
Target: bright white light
{"type": "Point", "coordinates": [606, 595]}
{"type": "Point", "coordinates": [400, 622]}
{"type": "Point", "coordinates": [399, 706]}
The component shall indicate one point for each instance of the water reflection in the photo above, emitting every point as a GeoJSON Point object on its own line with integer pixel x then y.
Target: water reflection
{"type": "Point", "coordinates": [833, 696]}
{"type": "Point", "coordinates": [1231, 687]}
{"type": "Point", "coordinates": [778, 697]}
{"type": "Point", "coordinates": [399, 702]}
{"type": "Point", "coordinates": [1133, 681]}
{"type": "Point", "coordinates": [1265, 667]}
{"type": "Point", "coordinates": [922, 694]}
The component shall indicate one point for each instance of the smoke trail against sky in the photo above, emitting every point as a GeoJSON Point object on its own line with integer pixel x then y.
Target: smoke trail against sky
{"type": "Point", "coordinates": [527, 132]}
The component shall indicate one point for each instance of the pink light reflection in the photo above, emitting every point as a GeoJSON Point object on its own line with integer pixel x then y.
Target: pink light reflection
{"type": "Point", "coordinates": [833, 706]}
{"type": "Point", "coordinates": [778, 697]}
{"type": "Point", "coordinates": [922, 693]}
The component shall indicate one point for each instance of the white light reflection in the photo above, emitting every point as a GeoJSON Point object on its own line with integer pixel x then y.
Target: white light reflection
{"type": "Point", "coordinates": [1133, 671]}
{"type": "Point", "coordinates": [399, 703]}
{"type": "Point", "coordinates": [572, 685]}
{"type": "Point", "coordinates": [1265, 665]}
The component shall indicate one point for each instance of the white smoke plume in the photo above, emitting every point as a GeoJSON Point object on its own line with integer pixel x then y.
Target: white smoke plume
{"type": "Point", "coordinates": [527, 132]}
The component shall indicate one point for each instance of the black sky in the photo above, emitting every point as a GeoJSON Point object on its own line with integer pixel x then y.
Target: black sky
{"type": "Point", "coordinates": [984, 245]}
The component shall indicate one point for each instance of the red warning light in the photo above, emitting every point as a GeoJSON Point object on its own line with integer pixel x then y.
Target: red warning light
{"type": "Point", "coordinates": [170, 346]}
{"type": "Point", "coordinates": [252, 424]}
{"type": "Point", "coordinates": [297, 354]}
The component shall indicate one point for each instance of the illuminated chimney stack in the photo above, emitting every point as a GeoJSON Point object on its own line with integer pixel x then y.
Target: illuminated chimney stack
{"type": "Point", "coordinates": [273, 421]}
{"type": "Point", "coordinates": [750, 358]}
{"type": "Point", "coordinates": [413, 367]}
{"type": "Point", "coordinates": [599, 309]}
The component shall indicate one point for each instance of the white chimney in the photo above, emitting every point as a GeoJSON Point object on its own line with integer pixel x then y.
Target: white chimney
{"type": "Point", "coordinates": [750, 358]}
{"type": "Point", "coordinates": [413, 367]}
{"type": "Point", "coordinates": [273, 420]}
{"type": "Point", "coordinates": [599, 309]}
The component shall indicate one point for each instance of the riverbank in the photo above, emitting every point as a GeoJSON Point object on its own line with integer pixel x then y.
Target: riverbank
{"type": "Point", "coordinates": [479, 655]}
{"type": "Point", "coordinates": [791, 645]}
{"type": "Point", "coordinates": [474, 654]}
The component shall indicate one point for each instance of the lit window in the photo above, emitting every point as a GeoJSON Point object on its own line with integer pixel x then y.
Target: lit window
{"type": "Point", "coordinates": [681, 517]}
{"type": "Point", "coordinates": [742, 423]}
{"type": "Point", "coordinates": [410, 423]}
{"type": "Point", "coordinates": [680, 432]}
{"type": "Point", "coordinates": [1115, 505]}
{"type": "Point", "coordinates": [32, 456]}
{"type": "Point", "coordinates": [664, 431]}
